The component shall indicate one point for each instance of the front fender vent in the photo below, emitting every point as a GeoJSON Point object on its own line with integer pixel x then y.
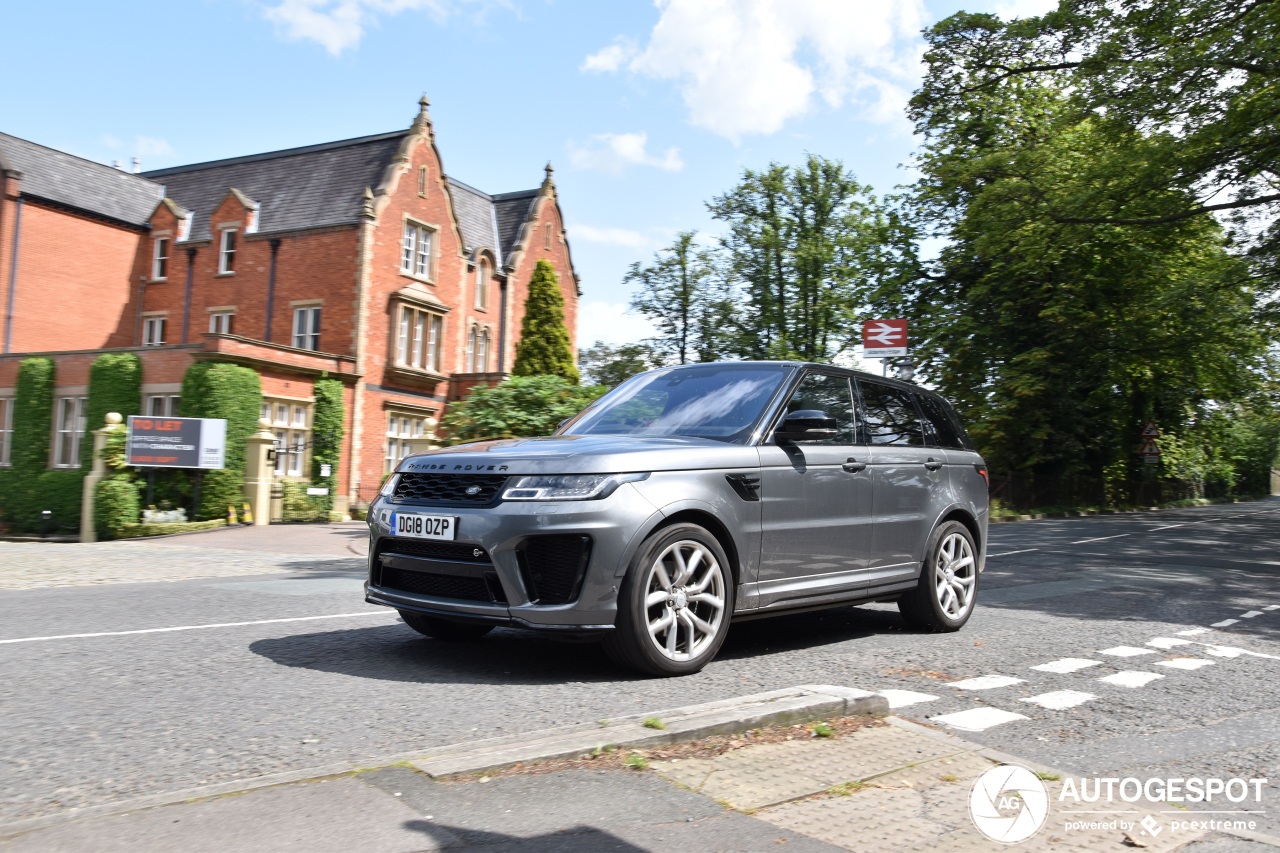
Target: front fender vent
{"type": "Point", "coordinates": [746, 485]}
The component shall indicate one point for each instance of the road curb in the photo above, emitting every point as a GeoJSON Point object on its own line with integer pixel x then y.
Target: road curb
{"type": "Point", "coordinates": [726, 716]}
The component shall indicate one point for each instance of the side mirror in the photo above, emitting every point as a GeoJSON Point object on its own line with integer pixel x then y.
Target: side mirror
{"type": "Point", "coordinates": [806, 425]}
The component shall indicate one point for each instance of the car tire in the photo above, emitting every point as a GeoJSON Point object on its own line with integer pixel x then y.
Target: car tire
{"type": "Point", "coordinates": [444, 629]}
{"type": "Point", "coordinates": [948, 589]}
{"type": "Point", "coordinates": [675, 603]}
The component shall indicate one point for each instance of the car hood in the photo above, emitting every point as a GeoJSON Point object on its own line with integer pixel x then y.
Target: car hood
{"type": "Point", "coordinates": [583, 454]}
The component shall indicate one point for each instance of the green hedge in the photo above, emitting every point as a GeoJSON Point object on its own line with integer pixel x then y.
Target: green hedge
{"type": "Point", "coordinates": [115, 385]}
{"type": "Point", "coordinates": [233, 392]}
{"type": "Point", "coordinates": [115, 504]}
{"type": "Point", "coordinates": [133, 531]}
{"type": "Point", "coordinates": [29, 487]}
{"type": "Point", "coordinates": [326, 435]}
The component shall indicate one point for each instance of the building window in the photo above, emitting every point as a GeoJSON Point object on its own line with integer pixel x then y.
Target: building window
{"type": "Point", "coordinates": [306, 327]}
{"type": "Point", "coordinates": [152, 331]}
{"type": "Point", "coordinates": [422, 181]}
{"type": "Point", "coordinates": [160, 260]}
{"type": "Point", "coordinates": [415, 254]}
{"type": "Point", "coordinates": [418, 342]}
{"type": "Point", "coordinates": [482, 285]}
{"type": "Point", "coordinates": [403, 432]}
{"type": "Point", "coordinates": [546, 230]}
{"type": "Point", "coordinates": [6, 429]}
{"type": "Point", "coordinates": [70, 429]}
{"type": "Point", "coordinates": [469, 357]}
{"type": "Point", "coordinates": [220, 322]}
{"type": "Point", "coordinates": [161, 405]}
{"type": "Point", "coordinates": [227, 252]}
{"type": "Point", "coordinates": [482, 352]}
{"type": "Point", "coordinates": [291, 423]}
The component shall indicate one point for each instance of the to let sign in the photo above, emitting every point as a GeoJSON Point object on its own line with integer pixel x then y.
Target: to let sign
{"type": "Point", "coordinates": [176, 442]}
{"type": "Point", "coordinates": [884, 338]}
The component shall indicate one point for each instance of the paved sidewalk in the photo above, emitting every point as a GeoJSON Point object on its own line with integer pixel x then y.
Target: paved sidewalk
{"type": "Point", "coordinates": [888, 786]}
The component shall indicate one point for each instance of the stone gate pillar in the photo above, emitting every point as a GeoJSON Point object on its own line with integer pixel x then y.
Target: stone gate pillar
{"type": "Point", "coordinates": [259, 473]}
{"type": "Point", "coordinates": [88, 531]}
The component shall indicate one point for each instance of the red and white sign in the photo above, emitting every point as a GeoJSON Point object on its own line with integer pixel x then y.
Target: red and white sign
{"type": "Point", "coordinates": [884, 338]}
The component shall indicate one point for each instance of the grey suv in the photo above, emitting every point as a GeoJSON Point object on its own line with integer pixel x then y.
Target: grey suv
{"type": "Point", "coordinates": [687, 498]}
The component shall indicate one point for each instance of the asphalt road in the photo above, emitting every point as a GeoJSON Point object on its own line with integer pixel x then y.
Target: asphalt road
{"type": "Point", "coordinates": [96, 719]}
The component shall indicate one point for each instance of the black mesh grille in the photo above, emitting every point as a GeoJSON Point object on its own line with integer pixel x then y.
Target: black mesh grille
{"type": "Point", "coordinates": [553, 567]}
{"type": "Point", "coordinates": [437, 586]}
{"type": "Point", "coordinates": [455, 551]}
{"type": "Point", "coordinates": [448, 488]}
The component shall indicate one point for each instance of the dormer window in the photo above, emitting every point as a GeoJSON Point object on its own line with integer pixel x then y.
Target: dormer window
{"type": "Point", "coordinates": [227, 252]}
{"type": "Point", "coordinates": [482, 285]}
{"type": "Point", "coordinates": [416, 248]}
{"type": "Point", "coordinates": [160, 259]}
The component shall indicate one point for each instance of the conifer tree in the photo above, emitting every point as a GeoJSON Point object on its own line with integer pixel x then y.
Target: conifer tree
{"type": "Point", "coordinates": [544, 348]}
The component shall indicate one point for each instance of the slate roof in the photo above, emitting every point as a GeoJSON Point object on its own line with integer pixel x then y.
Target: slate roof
{"type": "Point", "coordinates": [71, 181]}
{"type": "Point", "coordinates": [512, 211]}
{"type": "Point", "coordinates": [308, 187]}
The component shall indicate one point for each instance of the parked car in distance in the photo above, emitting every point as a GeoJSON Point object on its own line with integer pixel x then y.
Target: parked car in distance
{"type": "Point", "coordinates": [684, 500]}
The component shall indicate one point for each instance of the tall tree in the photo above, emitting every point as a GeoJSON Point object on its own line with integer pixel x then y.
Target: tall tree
{"type": "Point", "coordinates": [806, 248]}
{"type": "Point", "coordinates": [602, 364]}
{"type": "Point", "coordinates": [682, 293]}
{"type": "Point", "coordinates": [544, 348]}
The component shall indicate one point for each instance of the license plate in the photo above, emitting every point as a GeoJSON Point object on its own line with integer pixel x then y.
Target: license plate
{"type": "Point", "coordinates": [417, 526]}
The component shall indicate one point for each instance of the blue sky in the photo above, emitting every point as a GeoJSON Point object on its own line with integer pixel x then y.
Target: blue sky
{"type": "Point", "coordinates": [646, 109]}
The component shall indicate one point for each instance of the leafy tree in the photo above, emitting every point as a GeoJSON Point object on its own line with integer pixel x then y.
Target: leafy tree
{"type": "Point", "coordinates": [806, 248]}
{"type": "Point", "coordinates": [544, 347]}
{"type": "Point", "coordinates": [218, 390]}
{"type": "Point", "coordinates": [609, 366]}
{"type": "Point", "coordinates": [684, 295]}
{"type": "Point", "coordinates": [522, 406]}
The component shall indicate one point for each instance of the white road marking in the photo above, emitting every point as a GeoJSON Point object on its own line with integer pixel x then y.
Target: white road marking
{"type": "Point", "coordinates": [1251, 614]}
{"type": "Point", "coordinates": [1167, 642]}
{"type": "Point", "coordinates": [1233, 652]}
{"type": "Point", "coordinates": [1272, 607]}
{"type": "Point", "coordinates": [978, 719]}
{"type": "Point", "coordinates": [1192, 632]}
{"type": "Point", "coordinates": [903, 698]}
{"type": "Point", "coordinates": [1224, 623]}
{"type": "Point", "coordinates": [1060, 700]}
{"type": "Point", "coordinates": [1126, 652]}
{"type": "Point", "coordinates": [1130, 678]}
{"type": "Point", "coordinates": [985, 682]}
{"type": "Point", "coordinates": [1184, 663]}
{"type": "Point", "coordinates": [1099, 539]}
{"type": "Point", "coordinates": [1067, 665]}
{"type": "Point", "coordinates": [1011, 553]}
{"type": "Point", "coordinates": [195, 627]}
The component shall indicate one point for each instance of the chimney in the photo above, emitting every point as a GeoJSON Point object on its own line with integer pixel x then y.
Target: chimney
{"type": "Point", "coordinates": [137, 165]}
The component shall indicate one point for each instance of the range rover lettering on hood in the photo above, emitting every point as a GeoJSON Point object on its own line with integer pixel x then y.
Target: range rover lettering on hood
{"type": "Point", "coordinates": [441, 466]}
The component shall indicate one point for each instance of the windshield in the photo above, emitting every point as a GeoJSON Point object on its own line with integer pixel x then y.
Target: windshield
{"type": "Point", "coordinates": [718, 401]}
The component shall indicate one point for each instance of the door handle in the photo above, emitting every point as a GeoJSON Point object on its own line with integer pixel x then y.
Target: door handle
{"type": "Point", "coordinates": [853, 466]}
{"type": "Point", "coordinates": [932, 464]}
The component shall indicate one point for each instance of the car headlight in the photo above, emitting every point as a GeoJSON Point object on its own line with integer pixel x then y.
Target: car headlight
{"type": "Point", "coordinates": [567, 487]}
{"type": "Point", "coordinates": [389, 487]}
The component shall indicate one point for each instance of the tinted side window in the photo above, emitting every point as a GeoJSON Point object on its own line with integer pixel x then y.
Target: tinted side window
{"type": "Point", "coordinates": [831, 394]}
{"type": "Point", "coordinates": [889, 416]}
{"type": "Point", "coordinates": [944, 429]}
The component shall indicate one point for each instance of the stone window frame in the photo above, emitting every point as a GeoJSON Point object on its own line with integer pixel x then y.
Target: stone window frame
{"type": "Point", "coordinates": [227, 250]}
{"type": "Point", "coordinates": [67, 439]}
{"type": "Point", "coordinates": [411, 256]}
{"type": "Point", "coordinates": [161, 248]}
{"type": "Point", "coordinates": [149, 326]}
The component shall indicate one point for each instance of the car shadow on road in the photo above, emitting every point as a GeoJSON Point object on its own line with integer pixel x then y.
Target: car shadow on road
{"type": "Point", "coordinates": [586, 839]}
{"type": "Point", "coordinates": [507, 656]}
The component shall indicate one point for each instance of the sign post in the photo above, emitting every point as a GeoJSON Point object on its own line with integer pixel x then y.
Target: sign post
{"type": "Point", "coordinates": [884, 338]}
{"type": "Point", "coordinates": [1150, 450]}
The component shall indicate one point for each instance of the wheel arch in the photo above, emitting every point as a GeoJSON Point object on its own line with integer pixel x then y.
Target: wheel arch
{"type": "Point", "coordinates": [960, 514]}
{"type": "Point", "coordinates": [712, 525]}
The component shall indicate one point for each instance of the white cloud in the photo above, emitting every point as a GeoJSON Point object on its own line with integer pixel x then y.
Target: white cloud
{"type": "Point", "coordinates": [152, 146]}
{"type": "Point", "coordinates": [749, 66]}
{"type": "Point", "coordinates": [610, 322]}
{"type": "Point", "coordinates": [610, 236]}
{"type": "Point", "coordinates": [610, 58]}
{"type": "Point", "coordinates": [337, 25]}
{"type": "Point", "coordinates": [614, 152]}
{"type": "Point", "coordinates": [1011, 9]}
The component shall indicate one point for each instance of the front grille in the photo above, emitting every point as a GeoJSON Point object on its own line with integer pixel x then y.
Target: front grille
{"type": "Point", "coordinates": [553, 567]}
{"type": "Point", "coordinates": [438, 586]}
{"type": "Point", "coordinates": [432, 488]}
{"type": "Point", "coordinates": [454, 551]}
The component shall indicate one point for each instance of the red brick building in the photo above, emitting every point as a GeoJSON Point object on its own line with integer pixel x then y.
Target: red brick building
{"type": "Point", "coordinates": [360, 259]}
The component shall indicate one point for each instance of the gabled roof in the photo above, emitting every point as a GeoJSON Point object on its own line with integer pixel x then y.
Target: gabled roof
{"type": "Point", "coordinates": [80, 184]}
{"type": "Point", "coordinates": [491, 220]}
{"type": "Point", "coordinates": [309, 187]}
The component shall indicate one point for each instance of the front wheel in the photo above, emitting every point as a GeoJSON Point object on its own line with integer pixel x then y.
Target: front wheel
{"type": "Point", "coordinates": [948, 588]}
{"type": "Point", "coordinates": [675, 603]}
{"type": "Point", "coordinates": [444, 629]}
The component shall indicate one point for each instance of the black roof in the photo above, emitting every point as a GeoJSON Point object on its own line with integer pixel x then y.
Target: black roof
{"type": "Point", "coordinates": [512, 211]}
{"type": "Point", "coordinates": [308, 187]}
{"type": "Point", "coordinates": [74, 182]}
{"type": "Point", "coordinates": [474, 210]}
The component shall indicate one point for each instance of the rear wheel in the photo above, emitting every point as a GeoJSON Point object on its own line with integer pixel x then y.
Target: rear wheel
{"type": "Point", "coordinates": [675, 603]}
{"type": "Point", "coordinates": [948, 588]}
{"type": "Point", "coordinates": [444, 629]}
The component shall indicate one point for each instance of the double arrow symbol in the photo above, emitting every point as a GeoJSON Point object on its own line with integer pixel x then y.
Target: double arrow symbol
{"type": "Point", "coordinates": [883, 333]}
